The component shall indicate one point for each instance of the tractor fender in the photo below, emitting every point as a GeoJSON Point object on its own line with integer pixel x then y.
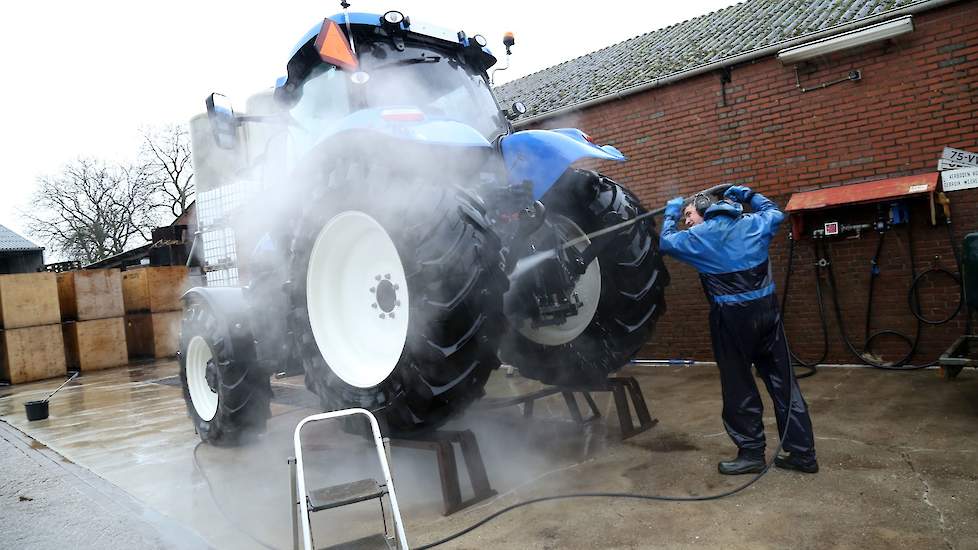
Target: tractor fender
{"type": "Point", "coordinates": [542, 156]}
{"type": "Point", "coordinates": [230, 308]}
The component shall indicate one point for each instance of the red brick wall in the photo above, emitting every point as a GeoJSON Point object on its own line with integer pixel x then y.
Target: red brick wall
{"type": "Point", "coordinates": [917, 96]}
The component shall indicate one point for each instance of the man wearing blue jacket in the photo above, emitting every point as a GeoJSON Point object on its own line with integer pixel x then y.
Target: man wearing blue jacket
{"type": "Point", "coordinates": [729, 249]}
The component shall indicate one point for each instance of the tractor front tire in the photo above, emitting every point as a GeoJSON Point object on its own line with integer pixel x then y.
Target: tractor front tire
{"type": "Point", "coordinates": [622, 289]}
{"type": "Point", "coordinates": [227, 396]}
{"type": "Point", "coordinates": [397, 291]}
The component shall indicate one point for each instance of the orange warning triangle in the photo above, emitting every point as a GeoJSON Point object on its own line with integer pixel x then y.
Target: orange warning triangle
{"type": "Point", "coordinates": [333, 48]}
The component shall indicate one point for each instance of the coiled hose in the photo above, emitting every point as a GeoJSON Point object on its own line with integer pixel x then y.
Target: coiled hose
{"type": "Point", "coordinates": [913, 298]}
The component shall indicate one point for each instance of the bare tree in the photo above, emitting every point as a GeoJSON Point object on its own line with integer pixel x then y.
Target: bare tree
{"type": "Point", "coordinates": [166, 151]}
{"type": "Point", "coordinates": [91, 211]}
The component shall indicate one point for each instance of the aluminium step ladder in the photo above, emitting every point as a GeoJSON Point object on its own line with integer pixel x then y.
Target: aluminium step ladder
{"type": "Point", "coordinates": [306, 502]}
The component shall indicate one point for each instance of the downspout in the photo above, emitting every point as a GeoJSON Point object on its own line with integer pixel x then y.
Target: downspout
{"type": "Point", "coordinates": [919, 7]}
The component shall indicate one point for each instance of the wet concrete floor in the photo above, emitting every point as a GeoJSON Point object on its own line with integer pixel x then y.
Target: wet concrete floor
{"type": "Point", "coordinates": [898, 451]}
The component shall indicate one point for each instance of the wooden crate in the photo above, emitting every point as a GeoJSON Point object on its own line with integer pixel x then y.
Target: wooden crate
{"type": "Point", "coordinates": [90, 294]}
{"type": "Point", "coordinates": [33, 353]}
{"type": "Point", "coordinates": [153, 334]}
{"type": "Point", "coordinates": [28, 300]}
{"type": "Point", "coordinates": [154, 289]}
{"type": "Point", "coordinates": [94, 345]}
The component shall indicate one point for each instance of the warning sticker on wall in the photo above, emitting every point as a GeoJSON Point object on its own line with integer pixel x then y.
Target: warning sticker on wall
{"type": "Point", "coordinates": [962, 178]}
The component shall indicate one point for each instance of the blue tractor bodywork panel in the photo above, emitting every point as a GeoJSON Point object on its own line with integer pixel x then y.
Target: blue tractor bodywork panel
{"type": "Point", "coordinates": [542, 156]}
{"type": "Point", "coordinates": [432, 131]}
{"type": "Point", "coordinates": [428, 131]}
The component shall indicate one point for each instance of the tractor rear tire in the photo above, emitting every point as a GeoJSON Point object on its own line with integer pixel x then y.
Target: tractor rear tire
{"type": "Point", "coordinates": [632, 279]}
{"type": "Point", "coordinates": [227, 396]}
{"type": "Point", "coordinates": [396, 289]}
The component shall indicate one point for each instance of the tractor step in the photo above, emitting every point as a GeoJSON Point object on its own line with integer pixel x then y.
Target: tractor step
{"type": "Point", "coordinates": [305, 502]}
{"type": "Point", "coordinates": [372, 542]}
{"type": "Point", "coordinates": [345, 493]}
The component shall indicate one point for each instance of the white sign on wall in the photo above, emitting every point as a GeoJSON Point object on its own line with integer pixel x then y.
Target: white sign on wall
{"type": "Point", "coordinates": [962, 178]}
{"type": "Point", "coordinates": [959, 156]}
{"type": "Point", "coordinates": [944, 164]}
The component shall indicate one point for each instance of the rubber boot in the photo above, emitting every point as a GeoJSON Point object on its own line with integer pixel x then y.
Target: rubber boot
{"type": "Point", "coordinates": [804, 464]}
{"type": "Point", "coordinates": [743, 464]}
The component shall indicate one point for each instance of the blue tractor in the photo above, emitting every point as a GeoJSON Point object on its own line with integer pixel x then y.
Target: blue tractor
{"type": "Point", "coordinates": [404, 238]}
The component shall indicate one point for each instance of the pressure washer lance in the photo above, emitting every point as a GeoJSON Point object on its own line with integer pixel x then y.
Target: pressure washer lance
{"type": "Point", "coordinates": [526, 264]}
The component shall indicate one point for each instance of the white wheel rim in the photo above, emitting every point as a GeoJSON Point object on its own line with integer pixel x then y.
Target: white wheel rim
{"type": "Point", "coordinates": [587, 288]}
{"type": "Point", "coordinates": [205, 399]}
{"type": "Point", "coordinates": [357, 299]}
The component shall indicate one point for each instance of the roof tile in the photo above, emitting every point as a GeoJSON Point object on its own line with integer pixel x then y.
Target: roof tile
{"type": "Point", "coordinates": [712, 37]}
{"type": "Point", "coordinates": [12, 242]}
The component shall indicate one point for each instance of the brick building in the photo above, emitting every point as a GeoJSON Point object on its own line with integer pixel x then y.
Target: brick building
{"type": "Point", "coordinates": [707, 101]}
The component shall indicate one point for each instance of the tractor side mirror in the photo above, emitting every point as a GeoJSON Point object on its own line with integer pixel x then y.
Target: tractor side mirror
{"type": "Point", "coordinates": [224, 125]}
{"type": "Point", "coordinates": [518, 110]}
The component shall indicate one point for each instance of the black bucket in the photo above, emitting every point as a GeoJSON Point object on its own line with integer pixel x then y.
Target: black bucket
{"type": "Point", "coordinates": [36, 410]}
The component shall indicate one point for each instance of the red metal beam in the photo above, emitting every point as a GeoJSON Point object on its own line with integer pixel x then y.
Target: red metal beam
{"type": "Point", "coordinates": [862, 193]}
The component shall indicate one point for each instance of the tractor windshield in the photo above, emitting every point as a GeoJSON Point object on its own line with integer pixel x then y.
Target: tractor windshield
{"type": "Point", "coordinates": [438, 82]}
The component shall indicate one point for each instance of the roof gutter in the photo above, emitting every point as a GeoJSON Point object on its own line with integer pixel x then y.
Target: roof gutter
{"type": "Point", "coordinates": [918, 7]}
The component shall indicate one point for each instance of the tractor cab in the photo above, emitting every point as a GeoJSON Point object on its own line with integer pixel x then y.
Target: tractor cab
{"type": "Point", "coordinates": [393, 67]}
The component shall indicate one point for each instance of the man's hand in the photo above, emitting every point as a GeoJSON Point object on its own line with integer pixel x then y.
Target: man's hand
{"type": "Point", "coordinates": [739, 193]}
{"type": "Point", "coordinates": [674, 207]}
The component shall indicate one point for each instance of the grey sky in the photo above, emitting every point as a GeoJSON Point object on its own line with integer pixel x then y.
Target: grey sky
{"type": "Point", "coordinates": [80, 78]}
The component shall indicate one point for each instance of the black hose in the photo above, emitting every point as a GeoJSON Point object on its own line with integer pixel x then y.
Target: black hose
{"type": "Point", "coordinates": [914, 300]}
{"type": "Point", "coordinates": [902, 364]}
{"type": "Point", "coordinates": [811, 367]}
{"type": "Point", "coordinates": [792, 383]}
{"type": "Point", "coordinates": [873, 274]}
{"type": "Point", "coordinates": [913, 296]}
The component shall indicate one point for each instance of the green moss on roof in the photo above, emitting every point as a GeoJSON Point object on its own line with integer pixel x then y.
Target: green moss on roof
{"type": "Point", "coordinates": [711, 37]}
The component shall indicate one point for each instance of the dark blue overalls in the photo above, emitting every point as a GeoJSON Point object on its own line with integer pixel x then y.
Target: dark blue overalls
{"type": "Point", "coordinates": [730, 252]}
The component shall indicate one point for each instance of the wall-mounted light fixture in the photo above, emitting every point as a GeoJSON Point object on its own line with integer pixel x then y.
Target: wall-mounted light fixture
{"type": "Point", "coordinates": [844, 41]}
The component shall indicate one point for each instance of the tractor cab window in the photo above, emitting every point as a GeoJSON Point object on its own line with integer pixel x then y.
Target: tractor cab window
{"type": "Point", "coordinates": [437, 82]}
{"type": "Point", "coordinates": [324, 97]}
{"type": "Point", "coordinates": [324, 101]}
